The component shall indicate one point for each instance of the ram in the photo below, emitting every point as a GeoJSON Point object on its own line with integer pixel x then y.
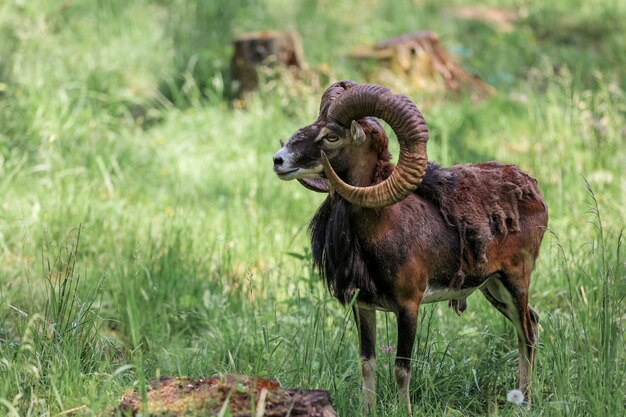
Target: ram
{"type": "Point", "coordinates": [394, 237]}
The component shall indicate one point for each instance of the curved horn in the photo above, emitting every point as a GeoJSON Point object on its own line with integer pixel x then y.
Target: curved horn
{"type": "Point", "coordinates": [406, 121]}
{"type": "Point", "coordinates": [335, 90]}
{"type": "Point", "coordinates": [319, 185]}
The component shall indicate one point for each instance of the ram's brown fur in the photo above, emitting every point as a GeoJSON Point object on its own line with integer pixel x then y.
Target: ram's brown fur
{"type": "Point", "coordinates": [481, 203]}
{"type": "Point", "coordinates": [463, 228]}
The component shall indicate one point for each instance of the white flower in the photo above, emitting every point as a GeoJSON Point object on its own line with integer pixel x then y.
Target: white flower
{"type": "Point", "coordinates": [515, 396]}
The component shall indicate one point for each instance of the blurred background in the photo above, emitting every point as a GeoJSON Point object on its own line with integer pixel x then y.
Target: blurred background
{"type": "Point", "coordinates": [143, 233]}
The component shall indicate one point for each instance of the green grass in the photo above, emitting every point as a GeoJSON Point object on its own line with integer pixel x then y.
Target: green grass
{"type": "Point", "coordinates": [143, 233]}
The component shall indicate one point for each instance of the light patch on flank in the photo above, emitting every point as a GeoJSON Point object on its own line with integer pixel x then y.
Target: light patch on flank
{"type": "Point", "coordinates": [435, 294]}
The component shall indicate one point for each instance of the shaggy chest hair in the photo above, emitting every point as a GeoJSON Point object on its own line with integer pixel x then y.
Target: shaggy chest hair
{"type": "Point", "coordinates": [338, 253]}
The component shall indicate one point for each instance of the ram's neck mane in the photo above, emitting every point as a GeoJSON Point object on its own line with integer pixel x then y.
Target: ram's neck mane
{"type": "Point", "coordinates": [337, 252]}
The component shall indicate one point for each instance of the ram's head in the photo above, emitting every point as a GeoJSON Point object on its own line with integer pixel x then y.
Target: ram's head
{"type": "Point", "coordinates": [321, 154]}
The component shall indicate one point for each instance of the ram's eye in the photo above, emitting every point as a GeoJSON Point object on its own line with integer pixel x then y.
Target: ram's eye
{"type": "Point", "coordinates": [332, 137]}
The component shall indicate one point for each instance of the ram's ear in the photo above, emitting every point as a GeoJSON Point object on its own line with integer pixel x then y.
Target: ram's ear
{"type": "Point", "coordinates": [357, 133]}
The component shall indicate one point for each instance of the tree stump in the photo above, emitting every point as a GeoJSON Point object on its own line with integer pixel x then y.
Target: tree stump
{"type": "Point", "coordinates": [242, 396]}
{"type": "Point", "coordinates": [419, 59]}
{"type": "Point", "coordinates": [253, 50]}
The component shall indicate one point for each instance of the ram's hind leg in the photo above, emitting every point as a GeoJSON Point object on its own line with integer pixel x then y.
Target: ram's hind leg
{"type": "Point", "coordinates": [366, 322]}
{"type": "Point", "coordinates": [510, 297]}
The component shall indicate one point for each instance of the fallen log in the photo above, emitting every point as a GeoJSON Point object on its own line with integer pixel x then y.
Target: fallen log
{"type": "Point", "coordinates": [242, 396]}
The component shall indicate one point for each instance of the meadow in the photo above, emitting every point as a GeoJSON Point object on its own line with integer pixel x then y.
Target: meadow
{"type": "Point", "coordinates": [143, 233]}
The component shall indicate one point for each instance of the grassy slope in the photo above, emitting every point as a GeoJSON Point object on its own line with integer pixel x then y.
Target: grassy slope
{"type": "Point", "coordinates": [112, 119]}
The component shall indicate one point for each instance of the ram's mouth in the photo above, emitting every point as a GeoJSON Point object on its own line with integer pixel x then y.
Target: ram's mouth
{"type": "Point", "coordinates": [289, 174]}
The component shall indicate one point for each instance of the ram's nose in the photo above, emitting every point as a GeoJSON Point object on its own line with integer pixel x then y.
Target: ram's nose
{"type": "Point", "coordinates": [278, 160]}
{"type": "Point", "coordinates": [282, 165]}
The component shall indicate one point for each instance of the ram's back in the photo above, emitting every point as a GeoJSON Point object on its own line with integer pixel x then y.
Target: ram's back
{"type": "Point", "coordinates": [483, 202]}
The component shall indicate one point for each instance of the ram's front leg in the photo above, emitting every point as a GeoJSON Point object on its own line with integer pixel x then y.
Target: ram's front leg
{"type": "Point", "coordinates": [366, 322]}
{"type": "Point", "coordinates": [407, 326]}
